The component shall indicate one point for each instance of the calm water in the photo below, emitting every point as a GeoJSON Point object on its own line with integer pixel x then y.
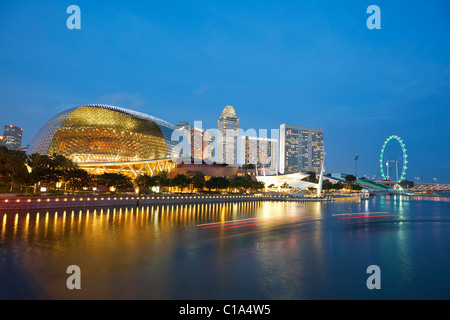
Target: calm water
{"type": "Point", "coordinates": [253, 250]}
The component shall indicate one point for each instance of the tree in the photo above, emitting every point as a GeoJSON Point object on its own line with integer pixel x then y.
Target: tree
{"type": "Point", "coordinates": [181, 181]}
{"type": "Point", "coordinates": [217, 183]}
{"type": "Point", "coordinates": [338, 186]}
{"type": "Point", "coordinates": [258, 185]}
{"type": "Point", "coordinates": [197, 179]}
{"type": "Point", "coordinates": [49, 170]}
{"type": "Point", "coordinates": [23, 178]}
{"type": "Point", "coordinates": [327, 185]}
{"type": "Point", "coordinates": [353, 187]}
{"type": "Point", "coordinates": [116, 180]}
{"type": "Point", "coordinates": [12, 166]}
{"type": "Point", "coordinates": [222, 182]}
{"type": "Point", "coordinates": [46, 176]}
{"type": "Point", "coordinates": [162, 180]}
{"type": "Point", "coordinates": [37, 160]}
{"type": "Point", "coordinates": [407, 184]}
{"type": "Point", "coordinates": [350, 178]}
{"type": "Point", "coordinates": [240, 182]}
{"type": "Point", "coordinates": [145, 181]}
{"type": "Point", "coordinates": [78, 178]}
{"type": "Point", "coordinates": [3, 157]}
{"type": "Point", "coordinates": [60, 162]}
{"type": "Point", "coordinates": [312, 177]}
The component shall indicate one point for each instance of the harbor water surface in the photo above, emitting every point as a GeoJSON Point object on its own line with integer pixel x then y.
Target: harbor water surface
{"type": "Point", "coordinates": [249, 250]}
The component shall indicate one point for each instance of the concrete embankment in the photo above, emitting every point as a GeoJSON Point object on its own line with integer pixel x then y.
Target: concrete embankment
{"type": "Point", "coordinates": [49, 202]}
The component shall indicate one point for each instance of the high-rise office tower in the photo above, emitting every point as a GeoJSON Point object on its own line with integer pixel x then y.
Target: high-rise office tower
{"type": "Point", "coordinates": [228, 130]}
{"type": "Point", "coordinates": [194, 136]}
{"type": "Point", "coordinates": [12, 137]}
{"type": "Point", "coordinates": [301, 149]}
{"type": "Point", "coordinates": [260, 151]}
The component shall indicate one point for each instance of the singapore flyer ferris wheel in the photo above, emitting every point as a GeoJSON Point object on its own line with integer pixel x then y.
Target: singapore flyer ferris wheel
{"type": "Point", "coordinates": [393, 159]}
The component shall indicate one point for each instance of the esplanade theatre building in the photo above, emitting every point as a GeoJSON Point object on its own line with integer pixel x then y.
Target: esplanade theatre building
{"type": "Point", "coordinates": [102, 138]}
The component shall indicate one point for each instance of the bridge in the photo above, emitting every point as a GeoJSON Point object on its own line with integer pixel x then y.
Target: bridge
{"type": "Point", "coordinates": [429, 187]}
{"type": "Point", "coordinates": [420, 187]}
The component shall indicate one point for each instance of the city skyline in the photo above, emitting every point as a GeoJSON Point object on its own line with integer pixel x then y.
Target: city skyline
{"type": "Point", "coordinates": [198, 145]}
{"type": "Point", "coordinates": [312, 64]}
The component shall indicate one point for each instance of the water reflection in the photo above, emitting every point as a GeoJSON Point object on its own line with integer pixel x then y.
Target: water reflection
{"type": "Point", "coordinates": [242, 250]}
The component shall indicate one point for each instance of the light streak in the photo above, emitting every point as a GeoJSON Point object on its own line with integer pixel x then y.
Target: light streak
{"type": "Point", "coordinates": [215, 224]}
{"type": "Point", "coordinates": [353, 213]}
{"type": "Point", "coordinates": [261, 222]}
{"type": "Point", "coordinates": [372, 216]}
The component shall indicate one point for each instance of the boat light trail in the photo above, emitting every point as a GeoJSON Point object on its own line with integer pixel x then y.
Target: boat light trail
{"type": "Point", "coordinates": [228, 222]}
{"type": "Point", "coordinates": [360, 213]}
{"type": "Point", "coordinates": [371, 216]}
{"type": "Point", "coordinates": [261, 222]}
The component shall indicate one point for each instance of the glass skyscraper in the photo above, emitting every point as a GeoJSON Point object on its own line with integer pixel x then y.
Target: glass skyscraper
{"type": "Point", "coordinates": [194, 137]}
{"type": "Point", "coordinates": [260, 151]}
{"type": "Point", "coordinates": [301, 149]}
{"type": "Point", "coordinates": [228, 129]}
{"type": "Point", "coordinates": [12, 137]}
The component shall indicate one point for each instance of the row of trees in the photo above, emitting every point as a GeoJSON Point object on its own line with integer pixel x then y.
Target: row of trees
{"type": "Point", "coordinates": [350, 185]}
{"type": "Point", "coordinates": [21, 172]}
{"type": "Point", "coordinates": [196, 180]}
{"type": "Point", "coordinates": [28, 173]}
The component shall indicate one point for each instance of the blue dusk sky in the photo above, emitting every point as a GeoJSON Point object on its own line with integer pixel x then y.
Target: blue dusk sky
{"type": "Point", "coordinates": [312, 63]}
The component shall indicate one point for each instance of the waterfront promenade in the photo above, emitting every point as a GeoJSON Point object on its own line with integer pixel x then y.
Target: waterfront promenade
{"type": "Point", "coordinates": [83, 201]}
